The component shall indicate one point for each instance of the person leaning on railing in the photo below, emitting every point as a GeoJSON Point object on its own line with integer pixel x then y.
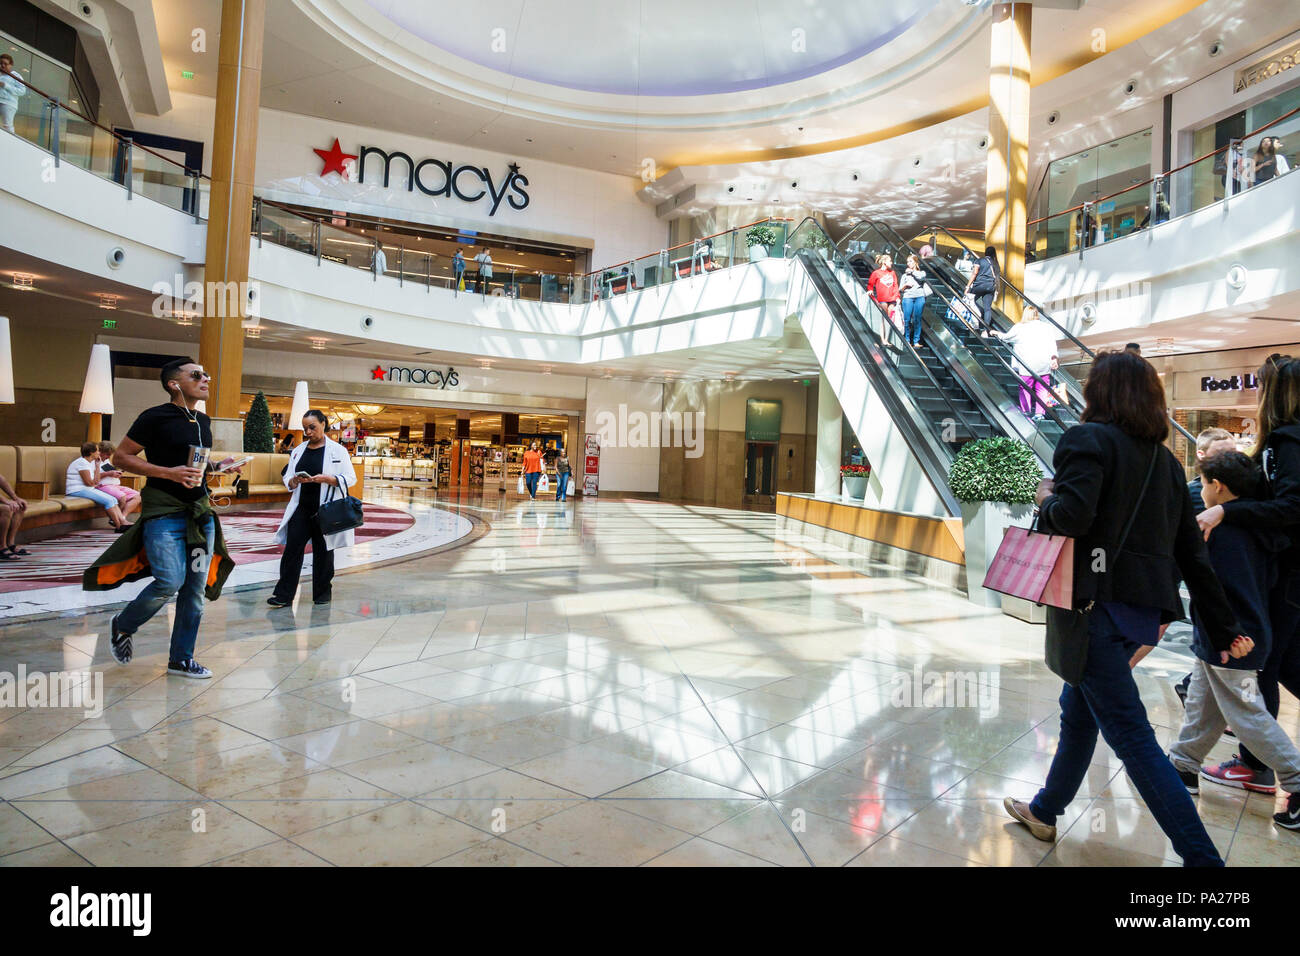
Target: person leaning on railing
{"type": "Point", "coordinates": [11, 88]}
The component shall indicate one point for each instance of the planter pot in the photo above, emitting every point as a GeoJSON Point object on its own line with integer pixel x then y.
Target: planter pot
{"type": "Point", "coordinates": [855, 486]}
{"type": "Point", "coordinates": [983, 524]}
{"type": "Point", "coordinates": [757, 252]}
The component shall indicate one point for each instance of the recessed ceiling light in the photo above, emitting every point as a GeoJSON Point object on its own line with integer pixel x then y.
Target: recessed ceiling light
{"type": "Point", "coordinates": [23, 281]}
{"type": "Point", "coordinates": [107, 301]}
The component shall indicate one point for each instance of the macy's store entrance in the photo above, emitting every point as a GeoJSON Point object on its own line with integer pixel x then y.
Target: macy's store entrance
{"type": "Point", "coordinates": [434, 446]}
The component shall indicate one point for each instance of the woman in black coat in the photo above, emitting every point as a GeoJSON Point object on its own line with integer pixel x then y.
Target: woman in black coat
{"type": "Point", "coordinates": [1277, 451]}
{"type": "Point", "coordinates": [1101, 468]}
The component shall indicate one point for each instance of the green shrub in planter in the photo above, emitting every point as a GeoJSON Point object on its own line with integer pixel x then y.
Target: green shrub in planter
{"type": "Point", "coordinates": [761, 236]}
{"type": "Point", "coordinates": [995, 469]}
{"type": "Point", "coordinates": [259, 436]}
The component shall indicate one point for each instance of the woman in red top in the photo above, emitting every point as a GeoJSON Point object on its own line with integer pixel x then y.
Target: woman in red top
{"type": "Point", "coordinates": [532, 468]}
{"type": "Point", "coordinates": [883, 286]}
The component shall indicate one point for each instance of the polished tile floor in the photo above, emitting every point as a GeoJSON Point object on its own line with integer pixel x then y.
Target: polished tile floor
{"type": "Point", "coordinates": [611, 682]}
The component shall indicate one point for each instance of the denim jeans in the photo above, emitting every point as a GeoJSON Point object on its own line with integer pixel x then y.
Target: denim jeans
{"type": "Point", "coordinates": [175, 571]}
{"type": "Point", "coordinates": [1107, 700]}
{"type": "Point", "coordinates": [531, 479]}
{"type": "Point", "coordinates": [561, 486]}
{"type": "Point", "coordinates": [912, 308]}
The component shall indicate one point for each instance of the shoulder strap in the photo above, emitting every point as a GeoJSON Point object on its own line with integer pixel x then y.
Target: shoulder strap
{"type": "Point", "coordinates": [1155, 453]}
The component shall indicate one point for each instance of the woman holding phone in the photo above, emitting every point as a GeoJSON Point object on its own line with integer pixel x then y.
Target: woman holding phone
{"type": "Point", "coordinates": [319, 462]}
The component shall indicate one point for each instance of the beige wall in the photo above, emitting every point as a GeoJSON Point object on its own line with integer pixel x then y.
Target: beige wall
{"type": "Point", "coordinates": [717, 475]}
{"type": "Point", "coordinates": [49, 371]}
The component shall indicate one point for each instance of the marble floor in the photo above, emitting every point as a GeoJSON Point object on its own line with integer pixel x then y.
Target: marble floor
{"type": "Point", "coordinates": [603, 683]}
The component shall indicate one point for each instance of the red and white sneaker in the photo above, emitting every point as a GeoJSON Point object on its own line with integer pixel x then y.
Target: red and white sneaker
{"type": "Point", "coordinates": [1234, 773]}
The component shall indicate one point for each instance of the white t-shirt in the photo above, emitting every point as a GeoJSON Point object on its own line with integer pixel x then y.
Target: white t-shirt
{"type": "Point", "coordinates": [1034, 344]}
{"type": "Point", "coordinates": [74, 482]}
{"type": "Point", "coordinates": [484, 261]}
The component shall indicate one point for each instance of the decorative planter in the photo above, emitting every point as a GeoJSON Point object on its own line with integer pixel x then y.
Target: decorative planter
{"type": "Point", "coordinates": [983, 524]}
{"type": "Point", "coordinates": [855, 486]}
{"type": "Point", "coordinates": [757, 252]}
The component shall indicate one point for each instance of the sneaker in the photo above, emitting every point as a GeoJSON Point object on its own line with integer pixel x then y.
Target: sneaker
{"type": "Point", "coordinates": [1289, 819]}
{"type": "Point", "coordinates": [1191, 780]}
{"type": "Point", "coordinates": [189, 668]}
{"type": "Point", "coordinates": [324, 600]}
{"type": "Point", "coordinates": [119, 644]}
{"type": "Point", "coordinates": [1019, 812]}
{"type": "Point", "coordinates": [1234, 773]}
{"type": "Point", "coordinates": [276, 602]}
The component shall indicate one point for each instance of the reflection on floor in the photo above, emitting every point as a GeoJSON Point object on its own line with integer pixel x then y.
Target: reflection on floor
{"type": "Point", "coordinates": [611, 682]}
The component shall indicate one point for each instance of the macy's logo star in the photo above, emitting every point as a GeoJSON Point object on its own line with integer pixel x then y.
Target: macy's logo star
{"type": "Point", "coordinates": [377, 372]}
{"type": "Point", "coordinates": [333, 158]}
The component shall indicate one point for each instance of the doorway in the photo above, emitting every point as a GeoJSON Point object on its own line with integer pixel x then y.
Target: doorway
{"type": "Point", "coordinates": [760, 469]}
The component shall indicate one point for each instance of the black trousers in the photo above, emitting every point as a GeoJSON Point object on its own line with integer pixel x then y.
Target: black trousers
{"type": "Point", "coordinates": [984, 302]}
{"type": "Point", "coordinates": [301, 530]}
{"type": "Point", "coordinates": [1283, 663]}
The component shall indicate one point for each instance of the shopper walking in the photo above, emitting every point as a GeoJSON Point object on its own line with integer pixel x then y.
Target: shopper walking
{"type": "Point", "coordinates": [177, 540]}
{"type": "Point", "coordinates": [1115, 481]}
{"type": "Point", "coordinates": [319, 462]}
{"type": "Point", "coordinates": [1277, 451]}
{"type": "Point", "coordinates": [883, 287]}
{"type": "Point", "coordinates": [458, 271]}
{"type": "Point", "coordinates": [562, 472]}
{"type": "Point", "coordinates": [914, 286]}
{"type": "Point", "coordinates": [1033, 354]}
{"type": "Point", "coordinates": [532, 468]}
{"type": "Point", "coordinates": [82, 477]}
{"type": "Point", "coordinates": [378, 261]}
{"type": "Point", "coordinates": [11, 88]}
{"type": "Point", "coordinates": [983, 285]}
{"type": "Point", "coordinates": [484, 260]}
{"type": "Point", "coordinates": [1222, 689]}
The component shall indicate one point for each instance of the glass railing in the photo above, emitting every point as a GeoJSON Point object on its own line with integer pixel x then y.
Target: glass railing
{"type": "Point", "coordinates": [72, 137]}
{"type": "Point", "coordinates": [1229, 171]}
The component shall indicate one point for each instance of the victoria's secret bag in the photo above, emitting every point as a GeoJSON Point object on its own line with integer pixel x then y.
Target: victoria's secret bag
{"type": "Point", "coordinates": [341, 513]}
{"type": "Point", "coordinates": [1067, 630]}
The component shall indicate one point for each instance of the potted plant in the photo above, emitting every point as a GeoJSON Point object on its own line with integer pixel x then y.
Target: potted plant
{"type": "Point", "coordinates": [760, 240]}
{"type": "Point", "coordinates": [854, 478]}
{"type": "Point", "coordinates": [817, 240]}
{"type": "Point", "coordinates": [995, 480]}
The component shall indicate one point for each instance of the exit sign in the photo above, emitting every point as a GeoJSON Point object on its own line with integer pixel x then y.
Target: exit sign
{"type": "Point", "coordinates": [187, 74]}
{"type": "Point", "coordinates": [110, 323]}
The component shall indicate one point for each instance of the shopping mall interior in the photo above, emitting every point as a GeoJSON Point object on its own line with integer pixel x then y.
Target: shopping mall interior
{"type": "Point", "coordinates": [653, 533]}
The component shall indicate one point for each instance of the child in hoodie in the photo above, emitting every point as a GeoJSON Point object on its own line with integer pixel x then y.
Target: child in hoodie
{"type": "Point", "coordinates": [1224, 689]}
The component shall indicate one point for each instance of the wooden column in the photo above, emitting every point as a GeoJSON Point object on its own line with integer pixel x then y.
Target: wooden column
{"type": "Point", "coordinates": [230, 209]}
{"type": "Point", "coordinates": [1006, 204]}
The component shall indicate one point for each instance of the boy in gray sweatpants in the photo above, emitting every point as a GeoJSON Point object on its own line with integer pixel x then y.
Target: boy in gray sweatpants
{"type": "Point", "coordinates": [1224, 690]}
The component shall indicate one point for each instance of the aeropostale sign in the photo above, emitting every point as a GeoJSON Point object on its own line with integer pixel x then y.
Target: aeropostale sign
{"type": "Point", "coordinates": [432, 177]}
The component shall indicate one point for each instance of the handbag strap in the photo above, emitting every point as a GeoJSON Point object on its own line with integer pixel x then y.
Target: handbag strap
{"type": "Point", "coordinates": [1155, 452]}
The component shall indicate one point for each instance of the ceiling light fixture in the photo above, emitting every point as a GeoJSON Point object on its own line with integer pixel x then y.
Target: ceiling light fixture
{"type": "Point", "coordinates": [182, 317]}
{"type": "Point", "coordinates": [318, 344]}
{"type": "Point", "coordinates": [23, 281]}
{"type": "Point", "coordinates": [369, 411]}
{"type": "Point", "coordinates": [254, 332]}
{"type": "Point", "coordinates": [484, 363]}
{"type": "Point", "coordinates": [108, 301]}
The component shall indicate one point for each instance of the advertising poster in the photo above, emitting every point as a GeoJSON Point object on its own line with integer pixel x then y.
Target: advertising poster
{"type": "Point", "coordinates": [591, 466]}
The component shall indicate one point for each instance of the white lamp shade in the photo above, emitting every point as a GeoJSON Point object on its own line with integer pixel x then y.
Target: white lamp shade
{"type": "Point", "coordinates": [300, 405]}
{"type": "Point", "coordinates": [97, 396]}
{"type": "Point", "coordinates": [6, 365]}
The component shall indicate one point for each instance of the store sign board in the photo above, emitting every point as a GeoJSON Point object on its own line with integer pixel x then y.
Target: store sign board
{"type": "Point", "coordinates": [763, 419]}
{"type": "Point", "coordinates": [591, 466]}
{"type": "Point", "coordinates": [400, 374]}
{"type": "Point", "coordinates": [1268, 67]}
{"type": "Point", "coordinates": [1233, 383]}
{"type": "Point", "coordinates": [433, 177]}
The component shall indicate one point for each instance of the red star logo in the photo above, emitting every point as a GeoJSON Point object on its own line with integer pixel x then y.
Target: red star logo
{"type": "Point", "coordinates": [377, 372]}
{"type": "Point", "coordinates": [333, 159]}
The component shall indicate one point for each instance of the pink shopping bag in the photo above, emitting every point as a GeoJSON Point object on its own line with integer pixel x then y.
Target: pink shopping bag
{"type": "Point", "coordinates": [1035, 567]}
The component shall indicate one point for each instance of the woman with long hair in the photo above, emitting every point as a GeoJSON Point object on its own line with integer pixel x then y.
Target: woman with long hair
{"type": "Point", "coordinates": [984, 285]}
{"type": "Point", "coordinates": [1277, 451]}
{"type": "Point", "coordinates": [1121, 495]}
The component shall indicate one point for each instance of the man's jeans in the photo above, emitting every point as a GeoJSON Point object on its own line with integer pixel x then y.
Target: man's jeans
{"type": "Point", "coordinates": [176, 570]}
{"type": "Point", "coordinates": [1107, 699]}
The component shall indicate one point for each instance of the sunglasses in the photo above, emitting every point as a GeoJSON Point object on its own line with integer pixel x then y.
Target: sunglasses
{"type": "Point", "coordinates": [200, 376]}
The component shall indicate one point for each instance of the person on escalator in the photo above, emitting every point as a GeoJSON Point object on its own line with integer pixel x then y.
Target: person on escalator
{"type": "Point", "coordinates": [883, 287]}
{"type": "Point", "coordinates": [914, 288]}
{"type": "Point", "coordinates": [984, 284]}
{"type": "Point", "coordinates": [1033, 353]}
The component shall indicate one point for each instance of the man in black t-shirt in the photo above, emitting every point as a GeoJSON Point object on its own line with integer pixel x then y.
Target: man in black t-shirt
{"type": "Point", "coordinates": [166, 434]}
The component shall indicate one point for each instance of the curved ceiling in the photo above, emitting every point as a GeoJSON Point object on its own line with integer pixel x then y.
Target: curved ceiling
{"type": "Point", "coordinates": [668, 48]}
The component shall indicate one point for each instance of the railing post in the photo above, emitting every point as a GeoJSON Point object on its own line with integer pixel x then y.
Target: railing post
{"type": "Point", "coordinates": [257, 215]}
{"type": "Point", "coordinates": [428, 273]}
{"type": "Point", "coordinates": [128, 168]}
{"type": "Point", "coordinates": [401, 267]}
{"type": "Point", "coordinates": [1236, 166]}
{"type": "Point", "coordinates": [54, 130]}
{"type": "Point", "coordinates": [315, 238]}
{"type": "Point", "coordinates": [195, 199]}
{"type": "Point", "coordinates": [1081, 232]}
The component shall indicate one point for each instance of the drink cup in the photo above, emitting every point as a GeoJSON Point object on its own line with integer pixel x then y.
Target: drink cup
{"type": "Point", "coordinates": [198, 459]}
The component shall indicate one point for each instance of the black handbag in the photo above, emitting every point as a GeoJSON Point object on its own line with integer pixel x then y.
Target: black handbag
{"type": "Point", "coordinates": [1066, 653]}
{"type": "Point", "coordinates": [342, 513]}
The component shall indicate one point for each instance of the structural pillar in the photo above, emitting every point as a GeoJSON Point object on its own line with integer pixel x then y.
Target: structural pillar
{"type": "Point", "coordinates": [830, 428]}
{"type": "Point", "coordinates": [230, 208]}
{"type": "Point", "coordinates": [1006, 211]}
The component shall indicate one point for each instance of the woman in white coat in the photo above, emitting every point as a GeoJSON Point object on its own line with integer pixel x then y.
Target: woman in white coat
{"type": "Point", "coordinates": [1033, 343]}
{"type": "Point", "coordinates": [327, 465]}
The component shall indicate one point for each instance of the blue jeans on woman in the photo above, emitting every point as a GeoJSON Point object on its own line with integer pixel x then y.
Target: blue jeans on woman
{"type": "Point", "coordinates": [531, 478]}
{"type": "Point", "coordinates": [912, 308]}
{"type": "Point", "coordinates": [175, 571]}
{"type": "Point", "coordinates": [1107, 699]}
{"type": "Point", "coordinates": [561, 486]}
